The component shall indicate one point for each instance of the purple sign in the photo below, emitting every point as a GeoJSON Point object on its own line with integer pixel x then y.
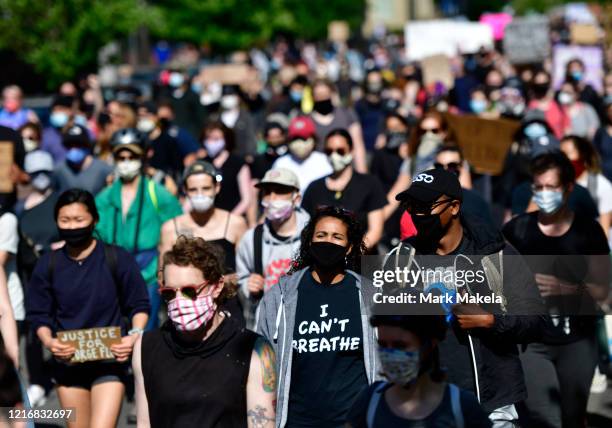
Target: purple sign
{"type": "Point", "coordinates": [591, 56]}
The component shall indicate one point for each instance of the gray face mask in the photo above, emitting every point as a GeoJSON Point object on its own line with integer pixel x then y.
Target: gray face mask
{"type": "Point", "coordinates": [41, 182]}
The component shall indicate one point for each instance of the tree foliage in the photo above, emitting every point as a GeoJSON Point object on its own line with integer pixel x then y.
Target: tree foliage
{"type": "Point", "coordinates": [59, 38]}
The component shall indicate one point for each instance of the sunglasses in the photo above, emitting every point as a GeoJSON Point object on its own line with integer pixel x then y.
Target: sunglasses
{"type": "Point", "coordinates": [452, 166]}
{"type": "Point", "coordinates": [126, 158]}
{"type": "Point", "coordinates": [414, 207]}
{"type": "Point", "coordinates": [341, 152]}
{"type": "Point", "coordinates": [432, 130]}
{"type": "Point", "coordinates": [188, 291]}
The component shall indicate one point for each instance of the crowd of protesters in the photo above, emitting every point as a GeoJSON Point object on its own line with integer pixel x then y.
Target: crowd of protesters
{"type": "Point", "coordinates": [223, 227]}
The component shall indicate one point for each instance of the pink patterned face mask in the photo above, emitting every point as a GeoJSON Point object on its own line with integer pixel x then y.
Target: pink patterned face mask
{"type": "Point", "coordinates": [189, 315]}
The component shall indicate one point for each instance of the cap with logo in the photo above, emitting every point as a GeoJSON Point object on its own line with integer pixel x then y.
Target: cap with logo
{"type": "Point", "coordinates": [429, 185]}
{"type": "Point", "coordinates": [202, 167]}
{"type": "Point", "coordinates": [38, 161]}
{"type": "Point", "coordinates": [301, 127]}
{"type": "Point", "coordinates": [280, 176]}
{"type": "Point", "coordinates": [76, 135]}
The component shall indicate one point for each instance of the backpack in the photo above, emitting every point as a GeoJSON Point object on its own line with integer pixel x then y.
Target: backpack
{"type": "Point", "coordinates": [455, 398]}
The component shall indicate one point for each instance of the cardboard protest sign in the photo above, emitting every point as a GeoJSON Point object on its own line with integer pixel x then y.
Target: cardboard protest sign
{"type": "Point", "coordinates": [484, 142]}
{"type": "Point", "coordinates": [91, 344]}
{"type": "Point", "coordinates": [338, 31]}
{"type": "Point", "coordinates": [6, 164]}
{"type": "Point", "coordinates": [527, 40]}
{"type": "Point", "coordinates": [226, 74]}
{"type": "Point", "coordinates": [591, 56]}
{"type": "Point", "coordinates": [584, 34]}
{"type": "Point", "coordinates": [427, 38]}
{"type": "Point", "coordinates": [437, 68]}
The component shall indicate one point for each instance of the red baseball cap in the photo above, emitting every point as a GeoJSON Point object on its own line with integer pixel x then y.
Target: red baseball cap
{"type": "Point", "coordinates": [301, 127]}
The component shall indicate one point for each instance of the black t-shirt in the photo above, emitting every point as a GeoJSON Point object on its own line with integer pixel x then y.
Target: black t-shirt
{"type": "Point", "coordinates": [261, 164]}
{"type": "Point", "coordinates": [441, 417]}
{"type": "Point", "coordinates": [166, 155]}
{"type": "Point", "coordinates": [229, 195]}
{"type": "Point", "coordinates": [362, 194]}
{"type": "Point", "coordinates": [38, 224]}
{"type": "Point", "coordinates": [385, 166]}
{"type": "Point", "coordinates": [7, 200]}
{"type": "Point", "coordinates": [328, 368]}
{"type": "Point", "coordinates": [584, 237]}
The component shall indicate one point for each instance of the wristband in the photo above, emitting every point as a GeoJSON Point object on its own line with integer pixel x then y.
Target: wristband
{"type": "Point", "coordinates": [135, 330]}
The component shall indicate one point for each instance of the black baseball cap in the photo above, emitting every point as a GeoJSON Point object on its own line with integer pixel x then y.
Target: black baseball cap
{"type": "Point", "coordinates": [429, 185]}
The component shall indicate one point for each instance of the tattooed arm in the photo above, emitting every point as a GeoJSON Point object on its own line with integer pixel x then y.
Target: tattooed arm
{"type": "Point", "coordinates": [261, 386]}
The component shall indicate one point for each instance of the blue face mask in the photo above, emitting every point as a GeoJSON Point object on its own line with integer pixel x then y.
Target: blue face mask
{"type": "Point", "coordinates": [58, 119]}
{"type": "Point", "coordinates": [196, 87]}
{"type": "Point", "coordinates": [76, 156]}
{"type": "Point", "coordinates": [577, 75]}
{"type": "Point", "coordinates": [535, 130]}
{"type": "Point", "coordinates": [549, 201]}
{"type": "Point", "coordinates": [478, 106]}
{"type": "Point", "coordinates": [80, 120]}
{"type": "Point", "coordinates": [296, 96]}
{"type": "Point", "coordinates": [176, 80]}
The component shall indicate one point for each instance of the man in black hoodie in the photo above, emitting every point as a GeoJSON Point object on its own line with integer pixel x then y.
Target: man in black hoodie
{"type": "Point", "coordinates": [480, 351]}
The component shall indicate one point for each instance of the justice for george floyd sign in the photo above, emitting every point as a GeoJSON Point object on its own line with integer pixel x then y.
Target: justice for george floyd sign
{"type": "Point", "coordinates": [91, 344]}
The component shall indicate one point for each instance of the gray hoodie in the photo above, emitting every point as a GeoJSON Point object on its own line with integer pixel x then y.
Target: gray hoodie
{"type": "Point", "coordinates": [276, 322]}
{"type": "Point", "coordinates": [276, 257]}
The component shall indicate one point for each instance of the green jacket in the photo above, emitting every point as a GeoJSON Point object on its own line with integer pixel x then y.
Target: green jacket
{"type": "Point", "coordinates": [158, 206]}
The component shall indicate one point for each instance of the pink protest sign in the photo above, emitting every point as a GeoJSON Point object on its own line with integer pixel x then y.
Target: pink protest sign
{"type": "Point", "coordinates": [497, 22]}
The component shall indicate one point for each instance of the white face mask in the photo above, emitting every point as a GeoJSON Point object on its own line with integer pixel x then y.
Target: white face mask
{"type": "Point", "coordinates": [278, 210]}
{"type": "Point", "coordinates": [214, 146]}
{"type": "Point", "coordinates": [229, 102]}
{"type": "Point", "coordinates": [29, 145]}
{"type": "Point", "coordinates": [565, 98]}
{"type": "Point", "coordinates": [201, 203]}
{"type": "Point", "coordinates": [339, 162]}
{"type": "Point", "coordinates": [41, 182]}
{"type": "Point", "coordinates": [301, 149]}
{"type": "Point", "coordinates": [128, 169]}
{"type": "Point", "coordinates": [176, 80]}
{"type": "Point", "coordinates": [145, 125]}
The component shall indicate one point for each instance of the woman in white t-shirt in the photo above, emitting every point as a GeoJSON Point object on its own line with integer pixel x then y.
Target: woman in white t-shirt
{"type": "Point", "coordinates": [10, 286]}
{"type": "Point", "coordinates": [587, 166]}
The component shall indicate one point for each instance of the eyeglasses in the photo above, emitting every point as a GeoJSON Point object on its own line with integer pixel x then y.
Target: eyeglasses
{"type": "Point", "coordinates": [416, 208]}
{"type": "Point", "coordinates": [188, 291]}
{"type": "Point", "coordinates": [451, 166]}
{"type": "Point", "coordinates": [341, 152]}
{"type": "Point", "coordinates": [538, 188]}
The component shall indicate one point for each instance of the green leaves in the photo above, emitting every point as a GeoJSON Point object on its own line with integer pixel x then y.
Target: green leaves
{"type": "Point", "coordinates": [61, 38]}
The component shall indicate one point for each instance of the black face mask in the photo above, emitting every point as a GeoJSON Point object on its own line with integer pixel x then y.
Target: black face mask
{"type": "Point", "coordinates": [323, 107]}
{"type": "Point", "coordinates": [429, 230]}
{"type": "Point", "coordinates": [395, 139]}
{"type": "Point", "coordinates": [540, 89]}
{"type": "Point", "coordinates": [328, 256]}
{"type": "Point", "coordinates": [76, 237]}
{"type": "Point", "coordinates": [278, 151]}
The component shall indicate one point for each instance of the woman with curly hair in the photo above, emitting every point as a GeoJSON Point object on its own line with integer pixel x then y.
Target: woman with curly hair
{"type": "Point", "coordinates": [317, 321]}
{"type": "Point", "coordinates": [201, 368]}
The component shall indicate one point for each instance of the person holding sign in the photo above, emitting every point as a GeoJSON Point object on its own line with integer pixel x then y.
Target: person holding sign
{"type": "Point", "coordinates": [202, 368]}
{"type": "Point", "coordinates": [85, 285]}
{"type": "Point", "coordinates": [316, 321]}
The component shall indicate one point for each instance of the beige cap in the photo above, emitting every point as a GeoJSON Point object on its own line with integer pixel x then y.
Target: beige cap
{"type": "Point", "coordinates": [281, 176]}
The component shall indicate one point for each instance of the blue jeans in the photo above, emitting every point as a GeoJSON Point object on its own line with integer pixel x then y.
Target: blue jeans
{"type": "Point", "coordinates": [155, 300]}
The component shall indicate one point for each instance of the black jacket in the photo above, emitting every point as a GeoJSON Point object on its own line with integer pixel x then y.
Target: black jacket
{"type": "Point", "coordinates": [500, 375]}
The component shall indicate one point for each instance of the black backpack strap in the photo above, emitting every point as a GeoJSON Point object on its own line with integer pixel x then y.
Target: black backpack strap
{"type": "Point", "coordinates": [110, 257]}
{"type": "Point", "coordinates": [258, 249]}
{"type": "Point", "coordinates": [51, 266]}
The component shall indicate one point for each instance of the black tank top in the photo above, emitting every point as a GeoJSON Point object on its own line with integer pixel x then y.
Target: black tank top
{"type": "Point", "coordinates": [202, 385]}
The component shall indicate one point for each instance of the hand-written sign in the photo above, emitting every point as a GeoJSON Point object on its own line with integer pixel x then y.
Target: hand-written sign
{"type": "Point", "coordinates": [527, 40]}
{"type": "Point", "coordinates": [91, 344]}
{"type": "Point", "coordinates": [227, 74]}
{"type": "Point", "coordinates": [6, 165]}
{"type": "Point", "coordinates": [484, 142]}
